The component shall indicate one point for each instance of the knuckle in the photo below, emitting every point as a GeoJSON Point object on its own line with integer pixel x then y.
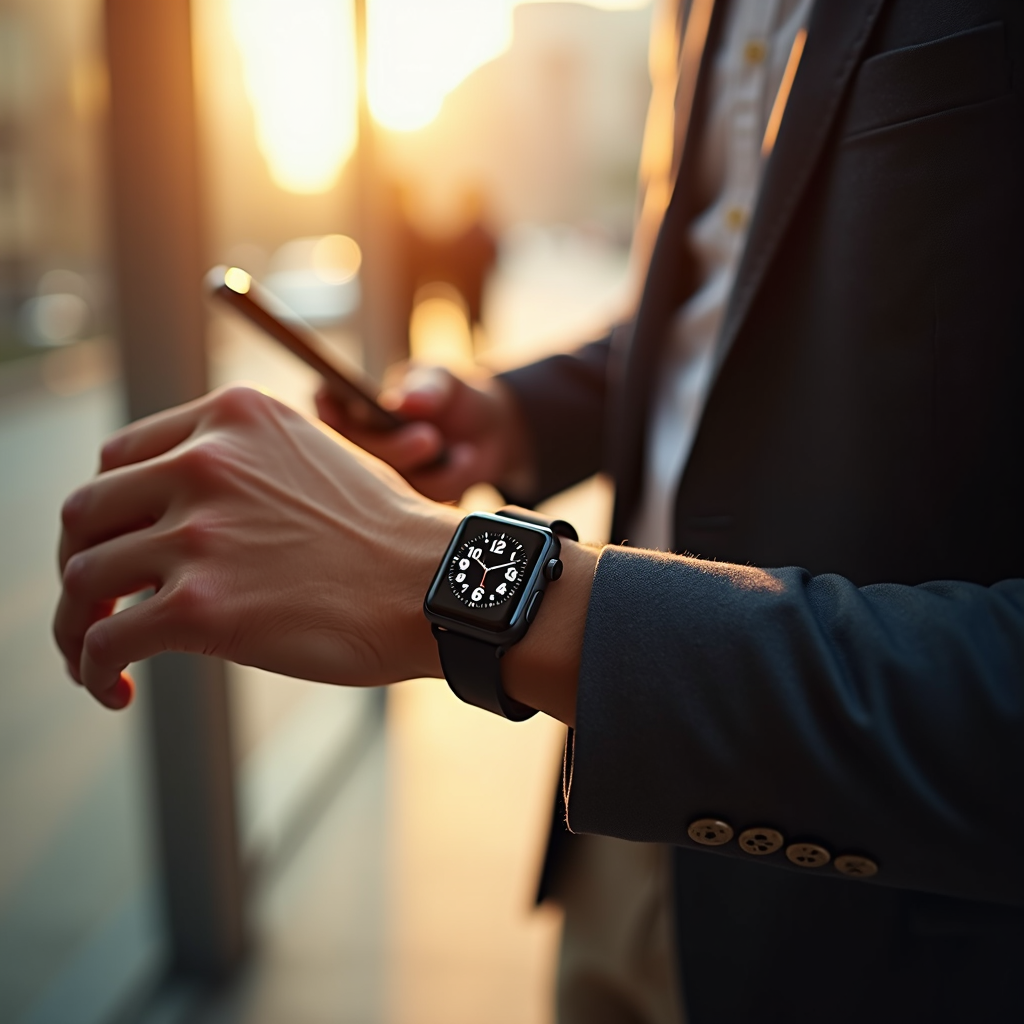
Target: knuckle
{"type": "Point", "coordinates": [195, 536]}
{"type": "Point", "coordinates": [98, 644]}
{"type": "Point", "coordinates": [63, 638]}
{"type": "Point", "coordinates": [240, 402]}
{"type": "Point", "coordinates": [204, 460]}
{"type": "Point", "coordinates": [76, 574]}
{"type": "Point", "coordinates": [111, 452]}
{"type": "Point", "coordinates": [73, 509]}
{"type": "Point", "coordinates": [190, 606]}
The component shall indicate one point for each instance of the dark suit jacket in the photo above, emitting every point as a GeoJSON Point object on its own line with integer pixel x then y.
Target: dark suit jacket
{"type": "Point", "coordinates": [866, 424]}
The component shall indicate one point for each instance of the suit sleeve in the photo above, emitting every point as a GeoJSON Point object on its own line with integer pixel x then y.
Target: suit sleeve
{"type": "Point", "coordinates": [885, 721]}
{"type": "Point", "coordinates": [563, 400]}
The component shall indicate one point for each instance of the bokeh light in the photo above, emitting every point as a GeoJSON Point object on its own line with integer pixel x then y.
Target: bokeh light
{"type": "Point", "coordinates": [336, 258]}
{"type": "Point", "coordinates": [439, 329]}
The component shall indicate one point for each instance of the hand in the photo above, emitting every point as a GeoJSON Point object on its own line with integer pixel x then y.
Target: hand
{"type": "Point", "coordinates": [266, 540]}
{"type": "Point", "coordinates": [475, 419]}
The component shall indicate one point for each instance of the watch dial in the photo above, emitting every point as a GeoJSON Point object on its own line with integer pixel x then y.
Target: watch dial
{"type": "Point", "coordinates": [488, 570]}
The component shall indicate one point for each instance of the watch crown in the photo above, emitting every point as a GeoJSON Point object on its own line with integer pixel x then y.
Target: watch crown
{"type": "Point", "coordinates": [553, 569]}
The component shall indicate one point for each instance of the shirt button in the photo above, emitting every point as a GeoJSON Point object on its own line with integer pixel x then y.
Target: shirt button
{"type": "Point", "coordinates": [855, 866]}
{"type": "Point", "coordinates": [760, 841]}
{"type": "Point", "coordinates": [755, 51]}
{"type": "Point", "coordinates": [709, 831]}
{"type": "Point", "coordinates": [735, 218]}
{"type": "Point", "coordinates": [808, 855]}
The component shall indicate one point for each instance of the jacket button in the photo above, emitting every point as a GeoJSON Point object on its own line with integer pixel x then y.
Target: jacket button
{"type": "Point", "coordinates": [855, 866]}
{"type": "Point", "coordinates": [808, 855]}
{"type": "Point", "coordinates": [755, 51]}
{"type": "Point", "coordinates": [760, 841]}
{"type": "Point", "coordinates": [709, 832]}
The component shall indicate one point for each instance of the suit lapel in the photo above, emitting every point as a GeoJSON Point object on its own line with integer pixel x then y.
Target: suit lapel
{"type": "Point", "coordinates": [669, 279]}
{"type": "Point", "coordinates": [836, 36]}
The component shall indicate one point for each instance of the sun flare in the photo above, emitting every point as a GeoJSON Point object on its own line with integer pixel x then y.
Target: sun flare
{"type": "Point", "coordinates": [298, 58]}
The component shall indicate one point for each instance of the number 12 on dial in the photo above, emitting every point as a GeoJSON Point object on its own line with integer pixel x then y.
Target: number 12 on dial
{"type": "Point", "coordinates": [487, 570]}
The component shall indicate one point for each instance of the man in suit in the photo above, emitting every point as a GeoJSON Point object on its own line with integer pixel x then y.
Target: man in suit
{"type": "Point", "coordinates": [834, 750]}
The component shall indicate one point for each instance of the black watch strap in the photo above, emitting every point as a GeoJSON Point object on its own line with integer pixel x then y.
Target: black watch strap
{"type": "Point", "coordinates": [524, 515]}
{"type": "Point", "coordinates": [473, 671]}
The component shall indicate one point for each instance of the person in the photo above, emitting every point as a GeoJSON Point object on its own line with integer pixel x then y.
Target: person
{"type": "Point", "coordinates": [832, 747]}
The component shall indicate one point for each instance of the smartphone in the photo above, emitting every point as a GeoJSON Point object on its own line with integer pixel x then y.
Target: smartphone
{"type": "Point", "coordinates": [356, 392]}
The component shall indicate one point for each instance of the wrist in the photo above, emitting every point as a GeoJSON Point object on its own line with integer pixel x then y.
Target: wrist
{"type": "Point", "coordinates": [499, 647]}
{"type": "Point", "coordinates": [542, 670]}
{"type": "Point", "coordinates": [430, 531]}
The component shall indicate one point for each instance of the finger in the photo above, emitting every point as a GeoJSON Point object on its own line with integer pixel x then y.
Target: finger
{"type": "Point", "coordinates": [423, 392]}
{"type": "Point", "coordinates": [448, 481]}
{"type": "Point", "coordinates": [331, 411]}
{"type": "Point", "coordinates": [113, 643]}
{"type": "Point", "coordinates": [116, 502]}
{"type": "Point", "coordinates": [152, 436]}
{"type": "Point", "coordinates": [406, 448]}
{"type": "Point", "coordinates": [121, 694]}
{"type": "Point", "coordinates": [69, 643]}
{"type": "Point", "coordinates": [93, 581]}
{"type": "Point", "coordinates": [337, 415]}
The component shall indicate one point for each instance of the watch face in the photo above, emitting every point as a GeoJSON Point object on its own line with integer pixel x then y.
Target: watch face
{"type": "Point", "coordinates": [488, 572]}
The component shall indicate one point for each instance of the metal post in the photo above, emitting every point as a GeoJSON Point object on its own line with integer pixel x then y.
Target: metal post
{"type": "Point", "coordinates": [158, 260]}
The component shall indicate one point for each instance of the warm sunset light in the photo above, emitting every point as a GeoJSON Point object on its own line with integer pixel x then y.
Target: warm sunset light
{"type": "Point", "coordinates": [439, 331]}
{"type": "Point", "coordinates": [299, 62]}
{"type": "Point", "coordinates": [419, 51]}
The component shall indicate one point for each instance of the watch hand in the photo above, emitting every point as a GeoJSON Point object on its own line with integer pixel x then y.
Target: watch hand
{"type": "Point", "coordinates": [503, 565]}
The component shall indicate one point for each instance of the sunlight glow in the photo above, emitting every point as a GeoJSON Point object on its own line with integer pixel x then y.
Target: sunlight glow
{"type": "Point", "coordinates": [298, 58]}
{"type": "Point", "coordinates": [299, 64]}
{"type": "Point", "coordinates": [420, 51]}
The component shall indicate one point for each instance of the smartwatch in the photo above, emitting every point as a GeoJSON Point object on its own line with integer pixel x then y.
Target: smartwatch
{"type": "Point", "coordinates": [486, 593]}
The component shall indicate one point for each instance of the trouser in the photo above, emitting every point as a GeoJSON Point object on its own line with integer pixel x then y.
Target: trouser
{"type": "Point", "coordinates": [618, 960]}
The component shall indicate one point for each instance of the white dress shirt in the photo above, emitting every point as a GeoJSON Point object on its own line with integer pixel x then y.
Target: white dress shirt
{"type": "Point", "coordinates": [749, 65]}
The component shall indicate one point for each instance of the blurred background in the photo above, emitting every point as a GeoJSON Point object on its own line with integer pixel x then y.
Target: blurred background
{"type": "Point", "coordinates": [450, 178]}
